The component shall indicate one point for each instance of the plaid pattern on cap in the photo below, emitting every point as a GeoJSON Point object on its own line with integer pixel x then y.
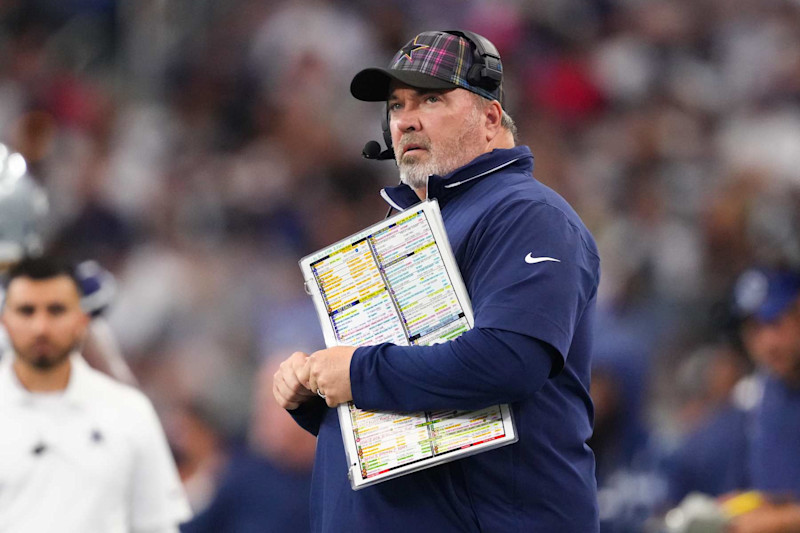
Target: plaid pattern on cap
{"type": "Point", "coordinates": [440, 55]}
{"type": "Point", "coordinates": [433, 60]}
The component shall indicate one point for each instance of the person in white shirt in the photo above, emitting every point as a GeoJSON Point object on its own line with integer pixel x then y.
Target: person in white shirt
{"type": "Point", "coordinates": [79, 451]}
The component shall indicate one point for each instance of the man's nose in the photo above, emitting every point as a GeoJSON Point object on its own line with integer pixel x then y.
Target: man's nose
{"type": "Point", "coordinates": [41, 323]}
{"type": "Point", "coordinates": [407, 120]}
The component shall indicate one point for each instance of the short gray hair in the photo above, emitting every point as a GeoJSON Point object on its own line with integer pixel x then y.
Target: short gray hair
{"type": "Point", "coordinates": [505, 121]}
{"type": "Point", "coordinates": [508, 123]}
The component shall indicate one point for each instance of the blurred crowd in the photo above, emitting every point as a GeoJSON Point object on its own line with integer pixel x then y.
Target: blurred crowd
{"type": "Point", "coordinates": [199, 148]}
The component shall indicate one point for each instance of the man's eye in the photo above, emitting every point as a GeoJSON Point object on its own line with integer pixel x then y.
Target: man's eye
{"type": "Point", "coordinates": [394, 107]}
{"type": "Point", "coordinates": [57, 310]}
{"type": "Point", "coordinates": [432, 98]}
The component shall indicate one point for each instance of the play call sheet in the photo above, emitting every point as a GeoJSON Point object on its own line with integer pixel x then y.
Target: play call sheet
{"type": "Point", "coordinates": [392, 286]}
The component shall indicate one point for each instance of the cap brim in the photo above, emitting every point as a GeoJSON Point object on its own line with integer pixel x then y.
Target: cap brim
{"type": "Point", "coordinates": [372, 84]}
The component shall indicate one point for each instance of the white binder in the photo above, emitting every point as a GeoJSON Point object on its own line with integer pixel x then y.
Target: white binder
{"type": "Point", "coordinates": [397, 281]}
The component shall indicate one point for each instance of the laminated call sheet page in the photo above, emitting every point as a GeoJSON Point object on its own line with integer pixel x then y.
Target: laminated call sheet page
{"type": "Point", "coordinates": [397, 282]}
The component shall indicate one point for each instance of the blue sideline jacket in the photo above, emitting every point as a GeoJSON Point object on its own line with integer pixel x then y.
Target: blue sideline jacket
{"type": "Point", "coordinates": [530, 347]}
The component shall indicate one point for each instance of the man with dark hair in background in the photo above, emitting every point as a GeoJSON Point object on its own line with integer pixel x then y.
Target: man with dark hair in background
{"type": "Point", "coordinates": [531, 269]}
{"type": "Point", "coordinates": [79, 451]}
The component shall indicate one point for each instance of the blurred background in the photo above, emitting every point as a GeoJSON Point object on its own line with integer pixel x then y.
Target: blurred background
{"type": "Point", "coordinates": [198, 148]}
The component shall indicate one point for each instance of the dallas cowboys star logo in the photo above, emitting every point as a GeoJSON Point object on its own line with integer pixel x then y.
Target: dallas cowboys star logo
{"type": "Point", "coordinates": [412, 47]}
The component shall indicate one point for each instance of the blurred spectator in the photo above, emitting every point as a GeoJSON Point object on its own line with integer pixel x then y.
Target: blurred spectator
{"type": "Point", "coordinates": [769, 303]}
{"type": "Point", "coordinates": [619, 383]}
{"type": "Point", "coordinates": [750, 442]}
{"type": "Point", "coordinates": [711, 456]}
{"type": "Point", "coordinates": [199, 449]}
{"type": "Point", "coordinates": [266, 484]}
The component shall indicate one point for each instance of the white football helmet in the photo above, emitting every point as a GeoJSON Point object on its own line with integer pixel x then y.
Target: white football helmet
{"type": "Point", "coordinates": [23, 209]}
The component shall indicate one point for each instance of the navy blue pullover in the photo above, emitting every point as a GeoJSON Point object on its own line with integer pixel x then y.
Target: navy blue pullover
{"type": "Point", "coordinates": [531, 269]}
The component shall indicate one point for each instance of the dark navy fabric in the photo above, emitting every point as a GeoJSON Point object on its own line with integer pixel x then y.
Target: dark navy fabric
{"type": "Point", "coordinates": [256, 496]}
{"type": "Point", "coordinates": [775, 448]}
{"type": "Point", "coordinates": [463, 374]}
{"type": "Point", "coordinates": [767, 435]}
{"type": "Point", "coordinates": [530, 347]}
{"type": "Point", "coordinates": [711, 458]}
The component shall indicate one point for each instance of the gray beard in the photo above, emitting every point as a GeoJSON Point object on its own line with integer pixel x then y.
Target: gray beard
{"type": "Point", "coordinates": [415, 174]}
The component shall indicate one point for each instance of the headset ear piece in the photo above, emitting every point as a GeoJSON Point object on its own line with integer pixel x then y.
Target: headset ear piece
{"type": "Point", "coordinates": [387, 132]}
{"type": "Point", "coordinates": [481, 76]}
{"type": "Point", "coordinates": [486, 71]}
{"type": "Point", "coordinates": [490, 73]}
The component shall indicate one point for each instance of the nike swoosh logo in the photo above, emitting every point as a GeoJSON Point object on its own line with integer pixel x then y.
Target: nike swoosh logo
{"type": "Point", "coordinates": [533, 260]}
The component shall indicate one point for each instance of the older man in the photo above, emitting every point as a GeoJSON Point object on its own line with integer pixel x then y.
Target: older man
{"type": "Point", "coordinates": [531, 269]}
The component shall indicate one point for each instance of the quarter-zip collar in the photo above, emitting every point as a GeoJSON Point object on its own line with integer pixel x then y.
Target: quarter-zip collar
{"type": "Point", "coordinates": [445, 187]}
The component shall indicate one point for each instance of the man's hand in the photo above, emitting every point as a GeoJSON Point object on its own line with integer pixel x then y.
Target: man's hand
{"type": "Point", "coordinates": [329, 374]}
{"type": "Point", "coordinates": [290, 382]}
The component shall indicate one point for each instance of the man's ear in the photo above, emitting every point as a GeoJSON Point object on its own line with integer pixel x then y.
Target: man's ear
{"type": "Point", "coordinates": [493, 117]}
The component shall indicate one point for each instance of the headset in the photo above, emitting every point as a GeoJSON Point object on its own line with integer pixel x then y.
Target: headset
{"type": "Point", "coordinates": [485, 72]}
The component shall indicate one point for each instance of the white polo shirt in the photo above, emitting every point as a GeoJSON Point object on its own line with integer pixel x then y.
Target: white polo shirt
{"type": "Point", "coordinates": [92, 458]}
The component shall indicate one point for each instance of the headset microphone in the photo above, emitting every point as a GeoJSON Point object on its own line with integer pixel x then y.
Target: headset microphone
{"type": "Point", "coordinates": [372, 150]}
